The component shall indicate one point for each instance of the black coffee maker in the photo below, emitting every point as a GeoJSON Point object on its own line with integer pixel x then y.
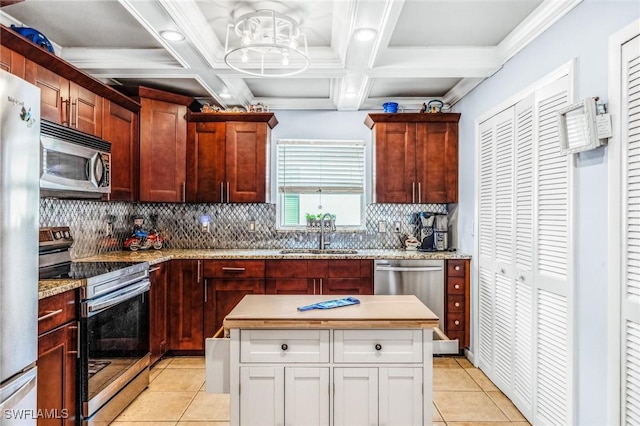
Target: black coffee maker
{"type": "Point", "coordinates": [432, 231]}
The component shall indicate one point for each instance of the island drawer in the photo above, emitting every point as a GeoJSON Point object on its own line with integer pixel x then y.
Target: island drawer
{"type": "Point", "coordinates": [283, 346]}
{"type": "Point", "coordinates": [377, 346]}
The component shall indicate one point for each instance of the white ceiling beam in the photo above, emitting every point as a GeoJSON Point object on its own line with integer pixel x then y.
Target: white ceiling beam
{"type": "Point", "coordinates": [297, 103]}
{"type": "Point", "coordinates": [96, 58]}
{"type": "Point", "coordinates": [458, 91]}
{"type": "Point", "coordinates": [386, 26]}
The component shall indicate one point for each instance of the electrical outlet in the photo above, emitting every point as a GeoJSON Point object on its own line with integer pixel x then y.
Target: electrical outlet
{"type": "Point", "coordinates": [205, 228]}
{"type": "Point", "coordinates": [396, 227]}
{"type": "Point", "coordinates": [382, 226]}
{"type": "Point", "coordinates": [252, 226]}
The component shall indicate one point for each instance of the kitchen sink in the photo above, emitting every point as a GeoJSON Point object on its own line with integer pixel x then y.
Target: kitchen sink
{"type": "Point", "coordinates": [318, 251]}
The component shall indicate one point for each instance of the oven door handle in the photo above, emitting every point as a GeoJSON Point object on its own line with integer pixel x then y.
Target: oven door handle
{"type": "Point", "coordinates": [106, 302]}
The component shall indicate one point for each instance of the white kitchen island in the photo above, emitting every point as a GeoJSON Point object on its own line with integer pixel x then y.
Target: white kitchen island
{"type": "Point", "coordinates": [365, 364]}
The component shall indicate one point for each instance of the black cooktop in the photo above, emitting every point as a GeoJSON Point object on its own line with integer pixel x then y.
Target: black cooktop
{"type": "Point", "coordinates": [83, 270]}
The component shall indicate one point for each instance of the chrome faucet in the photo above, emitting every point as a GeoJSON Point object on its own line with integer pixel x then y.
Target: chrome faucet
{"type": "Point", "coordinates": [322, 242]}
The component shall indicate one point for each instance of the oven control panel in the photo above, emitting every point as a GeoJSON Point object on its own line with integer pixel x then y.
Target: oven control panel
{"type": "Point", "coordinates": [59, 236]}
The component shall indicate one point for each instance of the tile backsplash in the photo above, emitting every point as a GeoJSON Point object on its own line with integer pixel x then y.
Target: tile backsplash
{"type": "Point", "coordinates": [99, 227]}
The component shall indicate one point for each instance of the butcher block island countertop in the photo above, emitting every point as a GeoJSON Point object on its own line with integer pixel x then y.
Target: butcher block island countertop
{"type": "Point", "coordinates": [280, 311]}
{"type": "Point", "coordinates": [364, 364]}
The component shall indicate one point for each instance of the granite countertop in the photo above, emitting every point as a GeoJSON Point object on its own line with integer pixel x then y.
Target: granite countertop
{"type": "Point", "coordinates": [278, 311]}
{"type": "Point", "coordinates": [47, 288]}
{"type": "Point", "coordinates": [157, 256]}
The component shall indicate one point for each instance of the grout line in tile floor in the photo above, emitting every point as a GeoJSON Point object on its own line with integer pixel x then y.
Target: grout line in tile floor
{"type": "Point", "coordinates": [176, 396]}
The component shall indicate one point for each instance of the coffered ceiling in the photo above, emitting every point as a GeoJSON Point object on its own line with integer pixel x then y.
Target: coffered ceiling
{"type": "Point", "coordinates": [423, 49]}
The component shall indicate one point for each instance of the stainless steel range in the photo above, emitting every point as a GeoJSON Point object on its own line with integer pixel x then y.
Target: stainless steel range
{"type": "Point", "coordinates": [114, 327]}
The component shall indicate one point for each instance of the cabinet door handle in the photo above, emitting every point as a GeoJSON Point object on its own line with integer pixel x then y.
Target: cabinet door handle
{"type": "Point", "coordinates": [284, 347]}
{"type": "Point", "coordinates": [74, 106]}
{"type": "Point", "coordinates": [321, 290]}
{"type": "Point", "coordinates": [49, 315]}
{"type": "Point", "coordinates": [314, 286]}
{"type": "Point", "coordinates": [157, 268]}
{"type": "Point", "coordinates": [378, 346]}
{"type": "Point", "coordinates": [64, 111]}
{"type": "Point", "coordinates": [228, 201]}
{"type": "Point", "coordinates": [419, 193]}
{"type": "Point", "coordinates": [183, 194]}
{"type": "Point", "coordinates": [222, 192]}
{"type": "Point", "coordinates": [198, 271]}
{"type": "Point", "coordinates": [205, 290]}
{"type": "Point", "coordinates": [413, 192]}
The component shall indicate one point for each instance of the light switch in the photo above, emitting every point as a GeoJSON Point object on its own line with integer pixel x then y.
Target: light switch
{"type": "Point", "coordinates": [382, 226]}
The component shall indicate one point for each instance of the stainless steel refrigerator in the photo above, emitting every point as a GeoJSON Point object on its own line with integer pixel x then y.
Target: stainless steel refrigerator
{"type": "Point", "coordinates": [19, 214]}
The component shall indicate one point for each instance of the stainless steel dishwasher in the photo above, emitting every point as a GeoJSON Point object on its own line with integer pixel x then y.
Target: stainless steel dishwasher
{"type": "Point", "coordinates": [423, 278]}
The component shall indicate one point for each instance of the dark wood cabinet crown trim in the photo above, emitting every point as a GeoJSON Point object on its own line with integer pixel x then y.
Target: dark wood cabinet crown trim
{"type": "Point", "coordinates": [31, 51]}
{"type": "Point", "coordinates": [246, 117]}
{"type": "Point", "coordinates": [138, 92]}
{"type": "Point", "coordinates": [410, 117]}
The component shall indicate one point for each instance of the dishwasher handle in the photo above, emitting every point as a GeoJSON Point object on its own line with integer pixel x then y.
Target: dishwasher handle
{"type": "Point", "coordinates": [409, 268]}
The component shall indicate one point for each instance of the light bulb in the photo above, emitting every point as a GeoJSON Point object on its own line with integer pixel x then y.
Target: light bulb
{"type": "Point", "coordinates": [285, 58]}
{"type": "Point", "coordinates": [246, 38]}
{"type": "Point", "coordinates": [245, 56]}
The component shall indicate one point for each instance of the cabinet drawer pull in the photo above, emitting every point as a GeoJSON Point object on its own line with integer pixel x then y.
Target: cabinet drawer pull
{"type": "Point", "coordinates": [457, 267]}
{"type": "Point", "coordinates": [456, 322]}
{"type": "Point", "coordinates": [284, 347]}
{"type": "Point", "coordinates": [457, 304]}
{"type": "Point", "coordinates": [457, 286]}
{"type": "Point", "coordinates": [378, 346]}
{"type": "Point", "coordinates": [50, 314]}
{"type": "Point", "coordinates": [229, 268]}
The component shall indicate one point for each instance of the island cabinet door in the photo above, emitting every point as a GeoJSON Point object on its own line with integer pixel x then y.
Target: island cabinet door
{"type": "Point", "coordinates": [306, 396]}
{"type": "Point", "coordinates": [355, 399]}
{"type": "Point", "coordinates": [400, 396]}
{"type": "Point", "coordinates": [261, 396]}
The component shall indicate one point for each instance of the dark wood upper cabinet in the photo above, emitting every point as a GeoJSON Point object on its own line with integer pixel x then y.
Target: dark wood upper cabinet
{"type": "Point", "coordinates": [416, 157]}
{"type": "Point", "coordinates": [227, 157]}
{"type": "Point", "coordinates": [121, 128]}
{"type": "Point", "coordinates": [163, 140]}
{"type": "Point", "coordinates": [12, 62]}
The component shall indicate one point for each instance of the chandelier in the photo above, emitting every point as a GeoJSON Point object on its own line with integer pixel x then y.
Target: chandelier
{"type": "Point", "coordinates": [266, 43]}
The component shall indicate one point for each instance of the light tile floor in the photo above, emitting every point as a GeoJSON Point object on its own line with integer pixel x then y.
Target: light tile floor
{"type": "Point", "coordinates": [462, 396]}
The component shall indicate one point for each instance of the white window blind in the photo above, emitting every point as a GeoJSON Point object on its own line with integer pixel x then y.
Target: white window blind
{"type": "Point", "coordinates": [307, 166]}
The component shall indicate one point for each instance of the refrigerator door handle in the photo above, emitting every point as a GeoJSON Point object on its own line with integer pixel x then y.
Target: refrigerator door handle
{"type": "Point", "coordinates": [14, 391]}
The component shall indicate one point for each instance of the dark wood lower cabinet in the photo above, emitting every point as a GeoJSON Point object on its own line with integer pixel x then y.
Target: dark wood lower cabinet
{"type": "Point", "coordinates": [57, 361]}
{"type": "Point", "coordinates": [226, 283]}
{"type": "Point", "coordinates": [186, 306]}
{"type": "Point", "coordinates": [457, 303]}
{"type": "Point", "coordinates": [222, 296]}
{"type": "Point", "coordinates": [158, 336]}
{"type": "Point", "coordinates": [331, 276]}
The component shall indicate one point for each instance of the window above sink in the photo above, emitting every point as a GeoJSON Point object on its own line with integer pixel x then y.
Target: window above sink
{"type": "Point", "coordinates": [317, 176]}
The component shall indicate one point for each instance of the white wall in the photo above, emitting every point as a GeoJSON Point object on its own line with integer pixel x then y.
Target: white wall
{"type": "Point", "coordinates": [582, 34]}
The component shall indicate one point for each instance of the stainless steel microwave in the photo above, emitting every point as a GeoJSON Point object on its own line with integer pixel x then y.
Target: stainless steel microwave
{"type": "Point", "coordinates": [73, 164]}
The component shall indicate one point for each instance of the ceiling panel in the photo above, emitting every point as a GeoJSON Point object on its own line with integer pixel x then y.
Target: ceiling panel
{"type": "Point", "coordinates": [458, 23]}
{"type": "Point", "coordinates": [289, 88]}
{"type": "Point", "coordinates": [411, 87]}
{"type": "Point", "coordinates": [86, 23]}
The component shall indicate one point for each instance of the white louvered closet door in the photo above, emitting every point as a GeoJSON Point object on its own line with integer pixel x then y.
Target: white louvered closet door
{"type": "Point", "coordinates": [495, 195]}
{"type": "Point", "coordinates": [503, 297]}
{"type": "Point", "coordinates": [523, 343]}
{"type": "Point", "coordinates": [552, 270]}
{"type": "Point", "coordinates": [630, 307]}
